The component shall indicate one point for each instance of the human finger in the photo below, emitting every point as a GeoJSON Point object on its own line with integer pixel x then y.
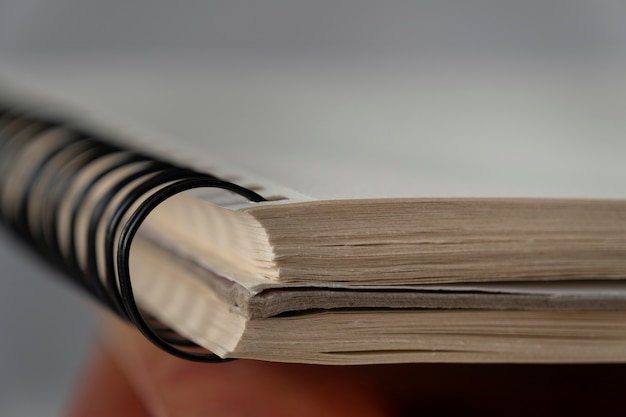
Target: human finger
{"type": "Point", "coordinates": [103, 390]}
{"type": "Point", "coordinates": [173, 387]}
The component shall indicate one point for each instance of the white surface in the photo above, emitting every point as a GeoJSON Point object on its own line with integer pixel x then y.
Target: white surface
{"type": "Point", "coordinates": [550, 133]}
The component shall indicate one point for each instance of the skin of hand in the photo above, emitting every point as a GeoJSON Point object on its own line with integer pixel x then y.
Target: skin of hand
{"type": "Point", "coordinates": [128, 376]}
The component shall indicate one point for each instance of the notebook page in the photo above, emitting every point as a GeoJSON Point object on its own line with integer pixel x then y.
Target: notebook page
{"type": "Point", "coordinates": [336, 136]}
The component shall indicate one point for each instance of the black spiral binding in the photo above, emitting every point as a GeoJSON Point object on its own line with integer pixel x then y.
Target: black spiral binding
{"type": "Point", "coordinates": [79, 150]}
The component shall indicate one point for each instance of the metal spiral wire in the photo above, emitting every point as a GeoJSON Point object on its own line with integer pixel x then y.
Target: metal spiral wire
{"type": "Point", "coordinates": [41, 160]}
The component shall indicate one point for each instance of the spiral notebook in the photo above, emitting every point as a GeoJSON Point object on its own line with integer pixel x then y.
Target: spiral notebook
{"type": "Point", "coordinates": [492, 240]}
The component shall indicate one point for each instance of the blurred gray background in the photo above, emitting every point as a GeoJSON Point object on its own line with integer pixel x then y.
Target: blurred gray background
{"type": "Point", "coordinates": [45, 325]}
{"type": "Point", "coordinates": [358, 29]}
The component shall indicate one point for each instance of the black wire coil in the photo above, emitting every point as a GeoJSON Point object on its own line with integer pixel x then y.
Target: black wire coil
{"type": "Point", "coordinates": [41, 159]}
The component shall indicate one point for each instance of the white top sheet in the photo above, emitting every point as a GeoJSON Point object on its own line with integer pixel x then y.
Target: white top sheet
{"type": "Point", "coordinates": [346, 134]}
